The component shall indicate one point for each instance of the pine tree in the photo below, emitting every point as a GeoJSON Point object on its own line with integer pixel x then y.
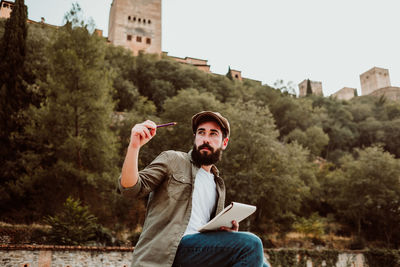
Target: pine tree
{"type": "Point", "coordinates": [73, 150]}
{"type": "Point", "coordinates": [13, 95]}
{"type": "Point", "coordinates": [74, 225]}
{"type": "Point", "coordinates": [309, 89]}
{"type": "Point", "coordinates": [229, 74]}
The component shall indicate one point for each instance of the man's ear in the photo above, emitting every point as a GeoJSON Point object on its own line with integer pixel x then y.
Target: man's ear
{"type": "Point", "coordinates": [225, 143]}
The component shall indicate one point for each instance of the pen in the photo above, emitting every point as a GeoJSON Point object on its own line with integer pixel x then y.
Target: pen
{"type": "Point", "coordinates": [166, 124]}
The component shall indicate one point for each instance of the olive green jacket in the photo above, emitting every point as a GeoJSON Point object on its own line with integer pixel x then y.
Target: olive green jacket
{"type": "Point", "coordinates": [169, 182]}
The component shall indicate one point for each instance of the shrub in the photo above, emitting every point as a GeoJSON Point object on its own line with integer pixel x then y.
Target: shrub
{"type": "Point", "coordinates": [73, 226]}
{"type": "Point", "coordinates": [310, 227]}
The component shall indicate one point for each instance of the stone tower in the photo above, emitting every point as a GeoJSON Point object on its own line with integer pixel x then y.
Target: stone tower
{"type": "Point", "coordinates": [374, 79]}
{"type": "Point", "coordinates": [136, 25]}
{"type": "Point", "coordinates": [316, 88]}
{"type": "Point", "coordinates": [6, 8]}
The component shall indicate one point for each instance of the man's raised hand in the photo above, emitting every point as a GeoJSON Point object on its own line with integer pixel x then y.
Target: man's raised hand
{"type": "Point", "coordinates": [142, 133]}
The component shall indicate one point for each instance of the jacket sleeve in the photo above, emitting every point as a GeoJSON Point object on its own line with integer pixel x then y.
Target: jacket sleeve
{"type": "Point", "coordinates": [149, 178]}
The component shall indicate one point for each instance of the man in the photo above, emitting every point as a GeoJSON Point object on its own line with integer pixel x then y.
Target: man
{"type": "Point", "coordinates": [185, 192]}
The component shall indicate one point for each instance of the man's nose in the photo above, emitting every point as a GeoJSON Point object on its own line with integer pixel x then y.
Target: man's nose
{"type": "Point", "coordinates": [206, 140]}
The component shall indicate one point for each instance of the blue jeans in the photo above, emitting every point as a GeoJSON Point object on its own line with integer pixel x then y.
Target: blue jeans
{"type": "Point", "coordinates": [220, 249]}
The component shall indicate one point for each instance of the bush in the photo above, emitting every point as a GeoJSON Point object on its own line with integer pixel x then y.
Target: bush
{"type": "Point", "coordinates": [23, 234]}
{"type": "Point", "coordinates": [74, 225]}
{"type": "Point", "coordinates": [313, 226]}
{"type": "Point", "coordinates": [103, 236]}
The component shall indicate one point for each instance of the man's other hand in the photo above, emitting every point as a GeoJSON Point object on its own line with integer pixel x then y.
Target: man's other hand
{"type": "Point", "coordinates": [234, 228]}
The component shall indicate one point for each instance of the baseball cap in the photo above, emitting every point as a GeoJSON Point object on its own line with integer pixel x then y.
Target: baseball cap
{"type": "Point", "coordinates": [210, 116]}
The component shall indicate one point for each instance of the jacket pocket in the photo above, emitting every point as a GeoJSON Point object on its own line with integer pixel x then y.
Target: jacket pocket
{"type": "Point", "coordinates": [179, 187]}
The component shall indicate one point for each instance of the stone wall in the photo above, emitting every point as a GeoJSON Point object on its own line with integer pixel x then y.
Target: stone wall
{"type": "Point", "coordinates": [75, 256]}
{"type": "Point", "coordinates": [346, 93]}
{"type": "Point", "coordinates": [392, 93]}
{"type": "Point", "coordinates": [64, 256]}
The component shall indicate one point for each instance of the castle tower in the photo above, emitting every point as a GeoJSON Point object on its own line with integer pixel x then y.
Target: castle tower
{"type": "Point", "coordinates": [6, 9]}
{"type": "Point", "coordinates": [234, 74]}
{"type": "Point", "coordinates": [316, 88]}
{"type": "Point", "coordinates": [374, 79]}
{"type": "Point", "coordinates": [136, 25]}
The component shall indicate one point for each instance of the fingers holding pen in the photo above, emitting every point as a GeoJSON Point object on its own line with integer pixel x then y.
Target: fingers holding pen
{"type": "Point", "coordinates": [142, 133]}
{"type": "Point", "coordinates": [150, 128]}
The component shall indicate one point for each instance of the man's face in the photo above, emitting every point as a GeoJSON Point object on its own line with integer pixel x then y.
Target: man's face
{"type": "Point", "coordinates": [208, 143]}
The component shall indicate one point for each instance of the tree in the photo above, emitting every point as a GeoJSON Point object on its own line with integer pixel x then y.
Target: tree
{"type": "Point", "coordinates": [310, 227]}
{"type": "Point", "coordinates": [72, 149]}
{"type": "Point", "coordinates": [122, 65]}
{"type": "Point", "coordinates": [13, 94]}
{"type": "Point", "coordinates": [309, 89]}
{"type": "Point", "coordinates": [313, 138]}
{"type": "Point", "coordinates": [369, 194]}
{"type": "Point", "coordinates": [74, 225]}
{"type": "Point", "coordinates": [258, 169]}
{"type": "Point", "coordinates": [286, 88]}
{"type": "Point", "coordinates": [229, 74]}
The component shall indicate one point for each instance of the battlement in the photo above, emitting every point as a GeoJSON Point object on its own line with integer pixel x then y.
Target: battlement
{"type": "Point", "coordinates": [374, 79]}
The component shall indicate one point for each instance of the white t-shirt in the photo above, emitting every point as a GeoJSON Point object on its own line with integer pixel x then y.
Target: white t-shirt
{"type": "Point", "coordinates": [204, 201]}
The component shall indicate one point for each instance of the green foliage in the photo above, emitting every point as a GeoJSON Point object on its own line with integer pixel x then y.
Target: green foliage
{"type": "Point", "coordinates": [369, 193]}
{"type": "Point", "coordinates": [84, 96]}
{"type": "Point", "coordinates": [273, 170]}
{"type": "Point", "coordinates": [13, 48]}
{"type": "Point", "coordinates": [122, 66]}
{"type": "Point", "coordinates": [14, 97]}
{"type": "Point", "coordinates": [310, 227]}
{"type": "Point", "coordinates": [72, 150]}
{"type": "Point", "coordinates": [313, 138]}
{"type": "Point", "coordinates": [286, 88]}
{"type": "Point", "coordinates": [23, 234]}
{"type": "Point", "coordinates": [74, 225]}
{"type": "Point", "coordinates": [13, 94]}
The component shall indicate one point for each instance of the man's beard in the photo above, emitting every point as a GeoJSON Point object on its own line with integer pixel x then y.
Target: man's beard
{"type": "Point", "coordinates": [203, 158]}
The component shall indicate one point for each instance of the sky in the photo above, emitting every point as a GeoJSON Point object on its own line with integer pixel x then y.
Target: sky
{"type": "Point", "coordinates": [268, 40]}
